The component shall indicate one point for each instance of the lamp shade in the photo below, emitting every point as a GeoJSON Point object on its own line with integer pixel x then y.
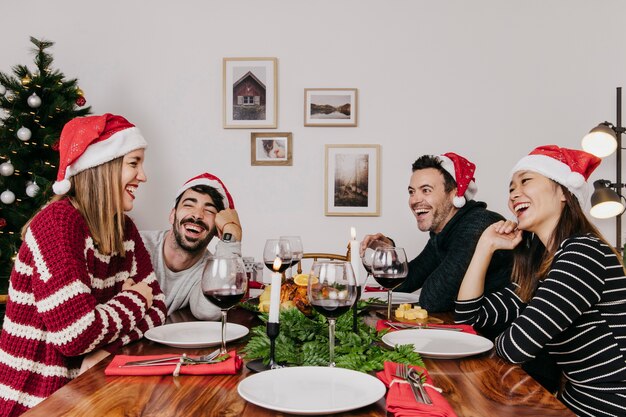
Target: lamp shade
{"type": "Point", "coordinates": [600, 141]}
{"type": "Point", "coordinates": [605, 203]}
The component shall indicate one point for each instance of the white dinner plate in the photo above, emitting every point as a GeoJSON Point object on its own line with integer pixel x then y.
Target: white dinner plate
{"type": "Point", "coordinates": [440, 344]}
{"type": "Point", "coordinates": [311, 390]}
{"type": "Point", "coordinates": [396, 297]}
{"type": "Point", "coordinates": [195, 334]}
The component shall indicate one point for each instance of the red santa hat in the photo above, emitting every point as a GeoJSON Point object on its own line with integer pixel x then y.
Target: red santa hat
{"type": "Point", "coordinates": [462, 171]}
{"type": "Point", "coordinates": [212, 181]}
{"type": "Point", "coordinates": [569, 167]}
{"type": "Point", "coordinates": [90, 141]}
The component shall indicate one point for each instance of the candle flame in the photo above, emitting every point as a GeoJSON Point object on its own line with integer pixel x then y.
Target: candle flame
{"type": "Point", "coordinates": [353, 233]}
{"type": "Point", "coordinates": [277, 264]}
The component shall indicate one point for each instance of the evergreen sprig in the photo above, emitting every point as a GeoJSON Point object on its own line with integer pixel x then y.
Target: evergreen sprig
{"type": "Point", "coordinates": [304, 341]}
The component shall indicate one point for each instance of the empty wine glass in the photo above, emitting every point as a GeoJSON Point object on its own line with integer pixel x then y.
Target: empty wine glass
{"type": "Point", "coordinates": [332, 291]}
{"type": "Point", "coordinates": [224, 283]}
{"type": "Point", "coordinates": [296, 249]}
{"type": "Point", "coordinates": [389, 268]}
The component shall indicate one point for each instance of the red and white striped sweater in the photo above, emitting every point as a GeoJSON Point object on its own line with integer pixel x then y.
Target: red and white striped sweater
{"type": "Point", "coordinates": [66, 300]}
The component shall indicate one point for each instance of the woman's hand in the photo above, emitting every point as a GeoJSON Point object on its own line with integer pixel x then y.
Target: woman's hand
{"type": "Point", "coordinates": [142, 288]}
{"type": "Point", "coordinates": [501, 235]}
{"type": "Point", "coordinates": [92, 358]}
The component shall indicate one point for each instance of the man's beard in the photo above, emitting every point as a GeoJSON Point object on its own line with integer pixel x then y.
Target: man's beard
{"type": "Point", "coordinates": [195, 246]}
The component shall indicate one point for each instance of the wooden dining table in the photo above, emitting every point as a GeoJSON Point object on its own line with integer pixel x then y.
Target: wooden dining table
{"type": "Point", "coordinates": [477, 386]}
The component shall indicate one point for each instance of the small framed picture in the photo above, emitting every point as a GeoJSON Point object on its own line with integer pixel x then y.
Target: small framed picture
{"type": "Point", "coordinates": [273, 148]}
{"type": "Point", "coordinates": [250, 93]}
{"type": "Point", "coordinates": [352, 180]}
{"type": "Point", "coordinates": [330, 107]}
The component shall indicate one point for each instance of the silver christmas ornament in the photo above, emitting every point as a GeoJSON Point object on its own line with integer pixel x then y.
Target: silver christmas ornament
{"type": "Point", "coordinates": [23, 133]}
{"type": "Point", "coordinates": [34, 101]}
{"type": "Point", "coordinates": [6, 169]}
{"type": "Point", "coordinates": [32, 189]}
{"type": "Point", "coordinates": [7, 197]}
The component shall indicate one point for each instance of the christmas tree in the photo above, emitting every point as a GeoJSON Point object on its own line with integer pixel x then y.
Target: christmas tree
{"type": "Point", "coordinates": [34, 107]}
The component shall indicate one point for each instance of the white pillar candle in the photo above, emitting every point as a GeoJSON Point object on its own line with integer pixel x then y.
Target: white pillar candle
{"type": "Point", "coordinates": [355, 259]}
{"type": "Point", "coordinates": [275, 292]}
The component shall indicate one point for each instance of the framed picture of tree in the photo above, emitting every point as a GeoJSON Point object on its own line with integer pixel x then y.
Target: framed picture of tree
{"type": "Point", "coordinates": [330, 107]}
{"type": "Point", "coordinates": [352, 180]}
{"type": "Point", "coordinates": [250, 99]}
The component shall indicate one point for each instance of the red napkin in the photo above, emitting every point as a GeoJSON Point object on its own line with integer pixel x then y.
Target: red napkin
{"type": "Point", "coordinates": [369, 288]}
{"type": "Point", "coordinates": [400, 399]}
{"type": "Point", "coordinates": [381, 325]}
{"type": "Point", "coordinates": [255, 285]}
{"type": "Point", "coordinates": [230, 366]}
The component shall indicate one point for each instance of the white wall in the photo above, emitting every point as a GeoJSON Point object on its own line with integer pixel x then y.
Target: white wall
{"type": "Point", "coordinates": [488, 79]}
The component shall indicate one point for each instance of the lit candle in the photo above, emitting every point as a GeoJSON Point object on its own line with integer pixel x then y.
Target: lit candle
{"type": "Point", "coordinates": [275, 293]}
{"type": "Point", "coordinates": [354, 256]}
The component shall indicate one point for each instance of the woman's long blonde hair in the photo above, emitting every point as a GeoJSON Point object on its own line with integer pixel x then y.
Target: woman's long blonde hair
{"type": "Point", "coordinates": [97, 194]}
{"type": "Point", "coordinates": [532, 260]}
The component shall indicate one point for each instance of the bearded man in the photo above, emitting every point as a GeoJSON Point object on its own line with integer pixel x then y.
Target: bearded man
{"type": "Point", "coordinates": [441, 191]}
{"type": "Point", "coordinates": [203, 209]}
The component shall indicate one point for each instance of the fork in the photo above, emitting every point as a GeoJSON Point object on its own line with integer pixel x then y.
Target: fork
{"type": "Point", "coordinates": [402, 372]}
{"type": "Point", "coordinates": [402, 326]}
{"type": "Point", "coordinates": [416, 377]}
{"type": "Point", "coordinates": [173, 360]}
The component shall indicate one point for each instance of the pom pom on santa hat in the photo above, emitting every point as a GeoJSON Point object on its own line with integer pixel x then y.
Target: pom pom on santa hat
{"type": "Point", "coordinates": [90, 141]}
{"type": "Point", "coordinates": [569, 167]}
{"type": "Point", "coordinates": [212, 181]}
{"type": "Point", "coordinates": [462, 171]}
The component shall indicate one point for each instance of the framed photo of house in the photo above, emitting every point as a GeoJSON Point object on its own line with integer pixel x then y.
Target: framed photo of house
{"type": "Point", "coordinates": [352, 180]}
{"type": "Point", "coordinates": [274, 148]}
{"type": "Point", "coordinates": [330, 107]}
{"type": "Point", "coordinates": [250, 98]}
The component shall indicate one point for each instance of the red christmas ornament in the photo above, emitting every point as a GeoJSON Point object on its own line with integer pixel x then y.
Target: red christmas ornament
{"type": "Point", "coordinates": [3, 222]}
{"type": "Point", "coordinates": [55, 146]}
{"type": "Point", "coordinates": [80, 101]}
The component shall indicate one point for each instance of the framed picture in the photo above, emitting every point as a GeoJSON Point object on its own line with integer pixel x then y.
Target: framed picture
{"type": "Point", "coordinates": [352, 178]}
{"type": "Point", "coordinates": [271, 149]}
{"type": "Point", "coordinates": [250, 93]}
{"type": "Point", "coordinates": [330, 107]}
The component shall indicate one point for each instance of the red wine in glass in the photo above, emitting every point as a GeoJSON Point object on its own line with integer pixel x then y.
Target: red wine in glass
{"type": "Point", "coordinates": [282, 268]}
{"type": "Point", "coordinates": [390, 269]}
{"type": "Point", "coordinates": [331, 308]}
{"type": "Point", "coordinates": [224, 299]}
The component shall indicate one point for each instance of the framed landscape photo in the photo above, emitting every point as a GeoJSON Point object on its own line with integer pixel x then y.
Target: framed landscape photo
{"type": "Point", "coordinates": [250, 93]}
{"type": "Point", "coordinates": [330, 107]}
{"type": "Point", "coordinates": [352, 180]}
{"type": "Point", "coordinates": [273, 148]}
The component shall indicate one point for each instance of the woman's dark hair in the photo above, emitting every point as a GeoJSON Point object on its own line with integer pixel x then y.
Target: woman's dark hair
{"type": "Point", "coordinates": [532, 260]}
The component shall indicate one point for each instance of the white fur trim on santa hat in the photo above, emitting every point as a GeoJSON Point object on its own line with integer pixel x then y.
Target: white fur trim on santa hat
{"type": "Point", "coordinates": [119, 144]}
{"type": "Point", "coordinates": [556, 171]}
{"type": "Point", "coordinates": [205, 181]}
{"type": "Point", "coordinates": [458, 201]}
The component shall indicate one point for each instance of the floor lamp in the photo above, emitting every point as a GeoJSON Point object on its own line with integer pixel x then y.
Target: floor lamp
{"type": "Point", "coordinates": [607, 200]}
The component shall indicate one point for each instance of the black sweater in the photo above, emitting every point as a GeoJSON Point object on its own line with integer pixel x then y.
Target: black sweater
{"type": "Point", "coordinates": [440, 267]}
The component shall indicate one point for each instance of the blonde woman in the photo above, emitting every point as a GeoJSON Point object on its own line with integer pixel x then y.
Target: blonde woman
{"type": "Point", "coordinates": [569, 289]}
{"type": "Point", "coordinates": [82, 284]}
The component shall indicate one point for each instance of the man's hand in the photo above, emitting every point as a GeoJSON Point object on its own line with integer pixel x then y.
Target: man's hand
{"type": "Point", "coordinates": [367, 239]}
{"type": "Point", "coordinates": [92, 358]}
{"type": "Point", "coordinates": [227, 221]}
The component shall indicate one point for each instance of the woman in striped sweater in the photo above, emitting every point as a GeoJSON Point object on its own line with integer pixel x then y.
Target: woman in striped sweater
{"type": "Point", "coordinates": [568, 291]}
{"type": "Point", "coordinates": [82, 284]}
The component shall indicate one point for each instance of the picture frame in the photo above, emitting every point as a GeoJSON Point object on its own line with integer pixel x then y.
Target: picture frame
{"type": "Point", "coordinates": [352, 180]}
{"type": "Point", "coordinates": [336, 107]}
{"type": "Point", "coordinates": [250, 93]}
{"type": "Point", "coordinates": [271, 148]}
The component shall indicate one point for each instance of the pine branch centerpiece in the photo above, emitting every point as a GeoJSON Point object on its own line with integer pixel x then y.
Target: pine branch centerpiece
{"type": "Point", "coordinates": [34, 107]}
{"type": "Point", "coordinates": [303, 341]}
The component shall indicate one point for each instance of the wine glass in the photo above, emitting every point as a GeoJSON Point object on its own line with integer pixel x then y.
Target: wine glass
{"type": "Point", "coordinates": [368, 255]}
{"type": "Point", "coordinates": [224, 283]}
{"type": "Point", "coordinates": [332, 290]}
{"type": "Point", "coordinates": [389, 268]}
{"type": "Point", "coordinates": [296, 249]}
{"type": "Point", "coordinates": [277, 249]}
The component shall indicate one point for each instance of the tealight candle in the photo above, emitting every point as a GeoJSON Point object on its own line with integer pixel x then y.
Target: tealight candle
{"type": "Point", "coordinates": [275, 292]}
{"type": "Point", "coordinates": [354, 256]}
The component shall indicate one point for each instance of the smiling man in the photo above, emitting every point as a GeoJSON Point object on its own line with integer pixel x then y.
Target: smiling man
{"type": "Point", "coordinates": [203, 209]}
{"type": "Point", "coordinates": [441, 189]}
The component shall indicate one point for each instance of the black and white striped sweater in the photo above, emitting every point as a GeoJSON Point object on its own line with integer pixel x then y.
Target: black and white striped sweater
{"type": "Point", "coordinates": [579, 314]}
